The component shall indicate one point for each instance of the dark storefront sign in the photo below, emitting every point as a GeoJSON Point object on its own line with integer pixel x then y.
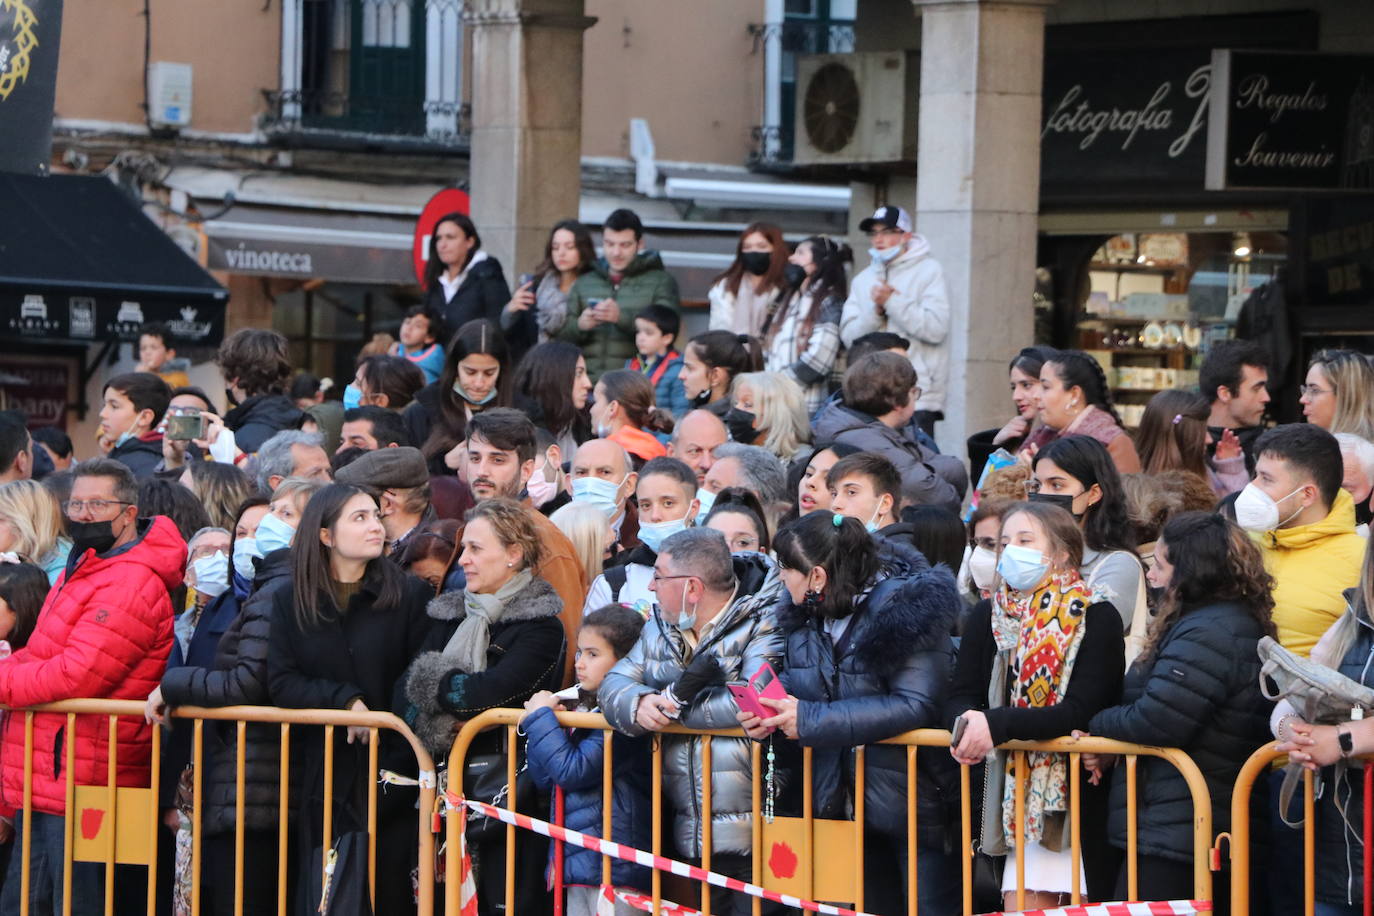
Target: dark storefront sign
{"type": "Point", "coordinates": [1336, 238]}
{"type": "Point", "coordinates": [303, 260]}
{"type": "Point", "coordinates": [76, 316]}
{"type": "Point", "coordinates": [29, 34]}
{"type": "Point", "coordinates": [1284, 120]}
{"type": "Point", "coordinates": [1125, 118]}
{"type": "Point", "coordinates": [39, 391]}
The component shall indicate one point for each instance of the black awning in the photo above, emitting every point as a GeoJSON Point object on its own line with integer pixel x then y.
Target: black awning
{"type": "Point", "coordinates": [79, 261]}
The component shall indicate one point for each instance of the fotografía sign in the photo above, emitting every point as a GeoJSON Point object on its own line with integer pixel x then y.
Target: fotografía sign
{"type": "Point", "coordinates": [29, 33]}
{"type": "Point", "coordinates": [1291, 120]}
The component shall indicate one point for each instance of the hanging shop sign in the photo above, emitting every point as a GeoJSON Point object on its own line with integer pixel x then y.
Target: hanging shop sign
{"type": "Point", "coordinates": [1284, 120]}
{"type": "Point", "coordinates": [1336, 236]}
{"type": "Point", "coordinates": [29, 33]}
{"type": "Point", "coordinates": [56, 316]}
{"type": "Point", "coordinates": [38, 390]}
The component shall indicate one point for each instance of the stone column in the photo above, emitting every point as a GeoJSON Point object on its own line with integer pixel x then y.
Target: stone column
{"type": "Point", "coordinates": [978, 189]}
{"type": "Point", "coordinates": [526, 160]}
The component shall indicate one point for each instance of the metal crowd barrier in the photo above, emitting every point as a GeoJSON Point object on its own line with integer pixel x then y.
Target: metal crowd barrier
{"type": "Point", "coordinates": [814, 886]}
{"type": "Point", "coordinates": [118, 801]}
{"type": "Point", "coordinates": [1240, 843]}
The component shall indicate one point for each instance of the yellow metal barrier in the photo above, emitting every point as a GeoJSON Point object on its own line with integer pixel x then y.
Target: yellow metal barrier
{"type": "Point", "coordinates": [121, 821]}
{"type": "Point", "coordinates": [823, 887]}
{"type": "Point", "coordinates": [1260, 762]}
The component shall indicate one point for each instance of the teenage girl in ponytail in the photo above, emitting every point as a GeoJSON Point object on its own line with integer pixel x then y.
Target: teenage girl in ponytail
{"type": "Point", "coordinates": [709, 366]}
{"type": "Point", "coordinates": [623, 411]}
{"type": "Point", "coordinates": [867, 656]}
{"type": "Point", "coordinates": [1076, 400]}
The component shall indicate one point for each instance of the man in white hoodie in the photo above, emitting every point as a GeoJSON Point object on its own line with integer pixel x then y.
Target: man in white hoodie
{"type": "Point", "coordinates": [902, 290]}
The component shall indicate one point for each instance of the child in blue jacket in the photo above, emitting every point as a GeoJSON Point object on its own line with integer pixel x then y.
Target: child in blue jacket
{"type": "Point", "coordinates": [656, 330]}
{"type": "Point", "coordinates": [572, 759]}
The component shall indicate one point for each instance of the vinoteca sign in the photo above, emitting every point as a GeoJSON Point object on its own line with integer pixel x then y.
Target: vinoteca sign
{"type": "Point", "coordinates": [1126, 118]}
{"type": "Point", "coordinates": [1291, 120]}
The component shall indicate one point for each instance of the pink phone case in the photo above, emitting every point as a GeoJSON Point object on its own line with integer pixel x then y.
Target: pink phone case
{"type": "Point", "coordinates": [747, 695]}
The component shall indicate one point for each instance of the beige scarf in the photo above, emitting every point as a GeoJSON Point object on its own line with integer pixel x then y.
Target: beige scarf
{"type": "Point", "coordinates": [468, 645]}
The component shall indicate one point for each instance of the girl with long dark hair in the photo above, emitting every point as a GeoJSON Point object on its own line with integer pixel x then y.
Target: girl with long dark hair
{"type": "Point", "coordinates": [867, 656]}
{"type": "Point", "coordinates": [1077, 474]}
{"type": "Point", "coordinates": [1173, 436]}
{"type": "Point", "coordinates": [710, 363]}
{"type": "Point", "coordinates": [1075, 400]}
{"type": "Point", "coordinates": [752, 286]}
{"type": "Point", "coordinates": [1025, 430]}
{"type": "Point", "coordinates": [552, 389]}
{"type": "Point", "coordinates": [1216, 606]}
{"type": "Point", "coordinates": [476, 376]}
{"type": "Point", "coordinates": [342, 636]}
{"type": "Point", "coordinates": [568, 254]}
{"type": "Point", "coordinates": [464, 283]}
{"type": "Point", "coordinates": [801, 338]}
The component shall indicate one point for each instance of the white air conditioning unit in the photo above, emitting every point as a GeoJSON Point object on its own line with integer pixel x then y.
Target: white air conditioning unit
{"type": "Point", "coordinates": [856, 108]}
{"type": "Point", "coordinates": [169, 94]}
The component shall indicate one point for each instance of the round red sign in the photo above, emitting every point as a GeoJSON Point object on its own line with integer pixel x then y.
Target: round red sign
{"type": "Point", "coordinates": [449, 200]}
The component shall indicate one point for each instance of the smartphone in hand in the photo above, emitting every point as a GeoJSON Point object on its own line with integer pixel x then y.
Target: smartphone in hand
{"type": "Point", "coordinates": [763, 683]}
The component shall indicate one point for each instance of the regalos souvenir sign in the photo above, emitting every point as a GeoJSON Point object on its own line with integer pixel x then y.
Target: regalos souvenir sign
{"type": "Point", "coordinates": [29, 32]}
{"type": "Point", "coordinates": [449, 200]}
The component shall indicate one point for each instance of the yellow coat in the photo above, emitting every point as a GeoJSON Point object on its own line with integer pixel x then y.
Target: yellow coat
{"type": "Point", "coordinates": [1312, 566]}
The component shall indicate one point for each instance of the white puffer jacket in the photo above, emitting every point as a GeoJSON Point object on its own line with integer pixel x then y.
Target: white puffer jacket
{"type": "Point", "coordinates": [918, 309]}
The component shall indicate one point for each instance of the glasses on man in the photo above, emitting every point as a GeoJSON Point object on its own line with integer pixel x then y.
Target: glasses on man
{"type": "Point", "coordinates": [657, 578]}
{"type": "Point", "coordinates": [1312, 391]}
{"type": "Point", "coordinates": [93, 506]}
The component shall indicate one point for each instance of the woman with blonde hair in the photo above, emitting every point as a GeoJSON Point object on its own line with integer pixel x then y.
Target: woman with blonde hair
{"type": "Point", "coordinates": [1338, 393]}
{"type": "Point", "coordinates": [31, 526]}
{"type": "Point", "coordinates": [769, 411]}
{"type": "Point", "coordinates": [221, 488]}
{"type": "Point", "coordinates": [588, 529]}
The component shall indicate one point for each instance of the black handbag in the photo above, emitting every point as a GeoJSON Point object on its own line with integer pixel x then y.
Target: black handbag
{"type": "Point", "coordinates": [343, 891]}
{"type": "Point", "coordinates": [485, 780]}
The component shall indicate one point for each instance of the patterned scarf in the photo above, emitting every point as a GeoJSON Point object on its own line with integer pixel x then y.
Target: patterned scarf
{"type": "Point", "coordinates": [1039, 633]}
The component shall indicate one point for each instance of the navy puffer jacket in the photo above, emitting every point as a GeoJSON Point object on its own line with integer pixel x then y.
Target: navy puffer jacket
{"type": "Point", "coordinates": [574, 763]}
{"type": "Point", "coordinates": [1199, 693]}
{"type": "Point", "coordinates": [887, 674]}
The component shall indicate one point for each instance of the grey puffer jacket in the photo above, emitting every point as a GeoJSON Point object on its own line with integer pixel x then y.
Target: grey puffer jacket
{"type": "Point", "coordinates": [746, 637]}
{"type": "Point", "coordinates": [928, 479]}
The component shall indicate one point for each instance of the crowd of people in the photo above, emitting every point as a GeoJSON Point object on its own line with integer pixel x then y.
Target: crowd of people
{"type": "Point", "coordinates": [553, 488]}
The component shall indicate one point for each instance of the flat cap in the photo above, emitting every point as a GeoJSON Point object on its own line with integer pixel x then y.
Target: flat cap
{"type": "Point", "coordinates": [396, 468]}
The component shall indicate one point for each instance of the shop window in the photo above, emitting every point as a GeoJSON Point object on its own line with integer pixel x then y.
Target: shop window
{"type": "Point", "coordinates": [327, 324]}
{"type": "Point", "coordinates": [1158, 301]}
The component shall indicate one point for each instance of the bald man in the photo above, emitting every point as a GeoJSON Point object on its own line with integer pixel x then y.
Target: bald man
{"type": "Point", "coordinates": [694, 438]}
{"type": "Point", "coordinates": [601, 476]}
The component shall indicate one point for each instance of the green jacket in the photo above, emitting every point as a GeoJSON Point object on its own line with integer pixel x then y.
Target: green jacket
{"type": "Point", "coordinates": [609, 346]}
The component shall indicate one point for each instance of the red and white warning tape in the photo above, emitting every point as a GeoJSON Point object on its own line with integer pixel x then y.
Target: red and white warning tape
{"type": "Point", "coordinates": [640, 857]}
{"type": "Point", "coordinates": [1149, 908]}
{"type": "Point", "coordinates": [662, 863]}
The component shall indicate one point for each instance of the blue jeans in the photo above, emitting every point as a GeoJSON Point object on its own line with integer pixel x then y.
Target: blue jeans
{"type": "Point", "coordinates": [45, 871]}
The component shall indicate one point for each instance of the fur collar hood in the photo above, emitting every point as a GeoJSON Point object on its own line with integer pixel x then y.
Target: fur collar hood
{"type": "Point", "coordinates": [903, 613]}
{"type": "Point", "coordinates": [538, 599]}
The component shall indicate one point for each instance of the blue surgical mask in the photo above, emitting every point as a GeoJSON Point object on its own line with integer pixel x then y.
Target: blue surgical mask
{"type": "Point", "coordinates": [1023, 568]}
{"type": "Point", "coordinates": [273, 534]}
{"type": "Point", "coordinates": [353, 396]}
{"type": "Point", "coordinates": [246, 550]}
{"type": "Point", "coordinates": [458, 390]}
{"type": "Point", "coordinates": [871, 525]}
{"type": "Point", "coordinates": [652, 534]}
{"type": "Point", "coordinates": [126, 436]}
{"type": "Point", "coordinates": [883, 255]}
{"type": "Point", "coordinates": [707, 499]}
{"type": "Point", "coordinates": [595, 491]}
{"type": "Point", "coordinates": [212, 574]}
{"type": "Point", "coordinates": [688, 619]}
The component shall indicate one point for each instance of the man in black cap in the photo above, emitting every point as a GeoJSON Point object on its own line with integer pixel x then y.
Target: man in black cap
{"type": "Point", "coordinates": [902, 290]}
{"type": "Point", "coordinates": [400, 478]}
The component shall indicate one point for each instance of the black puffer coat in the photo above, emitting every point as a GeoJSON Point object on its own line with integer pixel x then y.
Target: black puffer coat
{"type": "Point", "coordinates": [1200, 693]}
{"type": "Point", "coordinates": [238, 677]}
{"type": "Point", "coordinates": [887, 674]}
{"type": "Point", "coordinates": [261, 417]}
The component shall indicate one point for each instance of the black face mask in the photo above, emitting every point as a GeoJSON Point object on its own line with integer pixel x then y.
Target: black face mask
{"type": "Point", "coordinates": [702, 399]}
{"type": "Point", "coordinates": [1062, 500]}
{"type": "Point", "coordinates": [229, 397]}
{"type": "Point", "coordinates": [97, 536]}
{"type": "Point", "coordinates": [793, 275]}
{"type": "Point", "coordinates": [1363, 514]}
{"type": "Point", "coordinates": [756, 262]}
{"type": "Point", "coordinates": [740, 423]}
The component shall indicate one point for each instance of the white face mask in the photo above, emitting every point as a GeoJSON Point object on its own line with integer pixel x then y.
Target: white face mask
{"type": "Point", "coordinates": [982, 566]}
{"type": "Point", "coordinates": [1257, 511]}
